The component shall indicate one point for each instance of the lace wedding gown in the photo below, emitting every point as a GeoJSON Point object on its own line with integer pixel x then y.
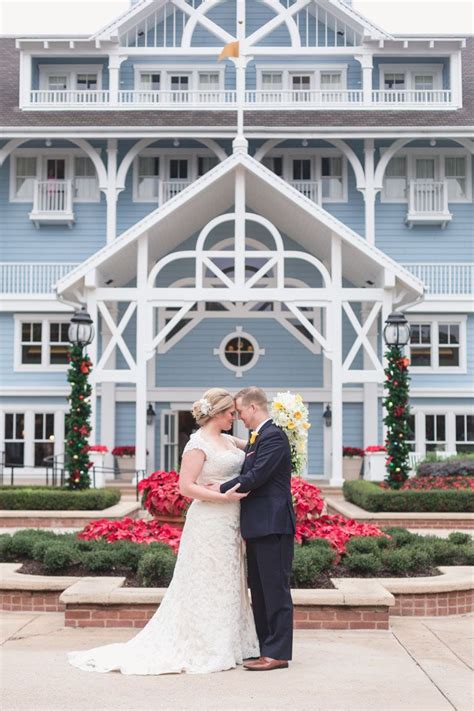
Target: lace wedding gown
{"type": "Point", "coordinates": [205, 622]}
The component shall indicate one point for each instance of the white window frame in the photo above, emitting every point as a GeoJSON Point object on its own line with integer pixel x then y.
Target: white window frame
{"type": "Point", "coordinates": [434, 321]}
{"type": "Point", "coordinates": [42, 155]}
{"type": "Point", "coordinates": [45, 365]}
{"type": "Point", "coordinates": [316, 154]}
{"type": "Point", "coordinates": [238, 370]}
{"type": "Point", "coordinates": [30, 409]}
{"type": "Point", "coordinates": [71, 71]}
{"type": "Point", "coordinates": [410, 70]}
{"type": "Point", "coordinates": [165, 155]}
{"type": "Point", "coordinates": [466, 441]}
{"type": "Point", "coordinates": [287, 72]}
{"type": "Point", "coordinates": [36, 441]}
{"type": "Point", "coordinates": [440, 155]}
{"type": "Point", "coordinates": [166, 71]}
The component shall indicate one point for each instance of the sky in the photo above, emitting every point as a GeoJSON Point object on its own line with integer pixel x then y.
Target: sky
{"type": "Point", "coordinates": [51, 17]}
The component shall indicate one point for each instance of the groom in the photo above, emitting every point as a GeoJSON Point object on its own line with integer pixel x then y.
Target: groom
{"type": "Point", "coordinates": [267, 522]}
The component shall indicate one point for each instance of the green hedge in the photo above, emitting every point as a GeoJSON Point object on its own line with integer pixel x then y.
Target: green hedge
{"type": "Point", "coordinates": [371, 497]}
{"type": "Point", "coordinates": [39, 498]}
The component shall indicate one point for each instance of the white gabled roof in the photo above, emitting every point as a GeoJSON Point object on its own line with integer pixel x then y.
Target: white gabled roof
{"type": "Point", "coordinates": [306, 223]}
{"type": "Point", "coordinates": [139, 9]}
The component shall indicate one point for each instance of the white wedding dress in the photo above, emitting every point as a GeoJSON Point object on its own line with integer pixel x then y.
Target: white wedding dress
{"type": "Point", "coordinates": [205, 622]}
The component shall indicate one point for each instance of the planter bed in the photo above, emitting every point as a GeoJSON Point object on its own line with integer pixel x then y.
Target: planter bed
{"type": "Point", "coordinates": [48, 498]}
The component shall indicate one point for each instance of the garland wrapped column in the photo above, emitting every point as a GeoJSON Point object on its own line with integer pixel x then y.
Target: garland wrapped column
{"type": "Point", "coordinates": [78, 421]}
{"type": "Point", "coordinates": [397, 409]}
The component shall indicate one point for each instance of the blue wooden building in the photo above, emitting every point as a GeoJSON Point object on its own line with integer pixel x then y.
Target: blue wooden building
{"type": "Point", "coordinates": [248, 221]}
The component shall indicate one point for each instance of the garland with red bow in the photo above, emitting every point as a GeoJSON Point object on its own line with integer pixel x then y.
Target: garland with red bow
{"type": "Point", "coordinates": [396, 418]}
{"type": "Point", "coordinates": [78, 426]}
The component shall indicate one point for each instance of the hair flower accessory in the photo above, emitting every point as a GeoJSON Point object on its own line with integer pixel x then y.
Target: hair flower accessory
{"type": "Point", "coordinates": [205, 406]}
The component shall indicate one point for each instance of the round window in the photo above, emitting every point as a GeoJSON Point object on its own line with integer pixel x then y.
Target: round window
{"type": "Point", "coordinates": [239, 351]}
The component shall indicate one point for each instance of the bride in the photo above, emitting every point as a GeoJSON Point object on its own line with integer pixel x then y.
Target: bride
{"type": "Point", "coordinates": [205, 622]}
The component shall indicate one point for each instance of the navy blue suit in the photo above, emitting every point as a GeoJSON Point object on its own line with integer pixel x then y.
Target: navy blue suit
{"type": "Point", "coordinates": [268, 524]}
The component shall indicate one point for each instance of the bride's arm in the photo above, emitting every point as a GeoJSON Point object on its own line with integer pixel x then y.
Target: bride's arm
{"type": "Point", "coordinates": [191, 465]}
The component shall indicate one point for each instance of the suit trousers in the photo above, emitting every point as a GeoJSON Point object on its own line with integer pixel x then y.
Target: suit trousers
{"type": "Point", "coordinates": [269, 561]}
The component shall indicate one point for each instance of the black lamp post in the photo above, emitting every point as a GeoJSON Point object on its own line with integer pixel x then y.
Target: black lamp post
{"type": "Point", "coordinates": [81, 329]}
{"type": "Point", "coordinates": [327, 416]}
{"type": "Point", "coordinates": [397, 330]}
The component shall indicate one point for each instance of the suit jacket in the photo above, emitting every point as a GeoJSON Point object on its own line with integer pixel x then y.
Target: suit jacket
{"type": "Point", "coordinates": [266, 474]}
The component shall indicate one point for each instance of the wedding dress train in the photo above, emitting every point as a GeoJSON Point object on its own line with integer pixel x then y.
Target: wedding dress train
{"type": "Point", "coordinates": [205, 622]}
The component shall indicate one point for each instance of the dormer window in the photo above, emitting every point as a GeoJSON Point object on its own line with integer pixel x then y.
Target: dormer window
{"type": "Point", "coordinates": [414, 77]}
{"type": "Point", "coordinates": [331, 81]}
{"type": "Point", "coordinates": [86, 81]}
{"type": "Point", "coordinates": [394, 81]}
{"type": "Point", "coordinates": [70, 77]}
{"type": "Point", "coordinates": [57, 82]}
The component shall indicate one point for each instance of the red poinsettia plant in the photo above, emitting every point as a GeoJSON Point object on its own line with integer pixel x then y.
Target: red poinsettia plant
{"type": "Point", "coordinates": [352, 452]}
{"type": "Point", "coordinates": [130, 529]}
{"type": "Point", "coordinates": [375, 448]}
{"type": "Point", "coordinates": [161, 495]}
{"type": "Point", "coordinates": [124, 451]}
{"type": "Point", "coordinates": [101, 448]}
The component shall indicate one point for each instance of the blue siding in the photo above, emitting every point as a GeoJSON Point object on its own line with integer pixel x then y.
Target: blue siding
{"type": "Point", "coordinates": [315, 440]}
{"type": "Point", "coordinates": [124, 424]}
{"type": "Point", "coordinates": [353, 424]}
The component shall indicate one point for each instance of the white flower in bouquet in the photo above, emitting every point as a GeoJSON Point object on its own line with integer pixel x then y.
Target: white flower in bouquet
{"type": "Point", "coordinates": [290, 413]}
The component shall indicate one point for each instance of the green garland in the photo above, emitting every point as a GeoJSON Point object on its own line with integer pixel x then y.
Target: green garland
{"type": "Point", "coordinates": [397, 409]}
{"type": "Point", "coordinates": [78, 426]}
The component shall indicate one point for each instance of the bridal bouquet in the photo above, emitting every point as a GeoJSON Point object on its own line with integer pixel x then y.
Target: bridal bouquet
{"type": "Point", "coordinates": [290, 413]}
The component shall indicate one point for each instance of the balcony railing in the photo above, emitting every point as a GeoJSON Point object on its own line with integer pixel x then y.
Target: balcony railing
{"type": "Point", "coordinates": [27, 278]}
{"type": "Point", "coordinates": [80, 97]}
{"type": "Point", "coordinates": [412, 96]}
{"type": "Point", "coordinates": [52, 202]}
{"type": "Point", "coordinates": [428, 203]}
{"type": "Point", "coordinates": [169, 188]}
{"type": "Point", "coordinates": [446, 278]}
{"type": "Point", "coordinates": [310, 189]}
{"type": "Point", "coordinates": [258, 98]}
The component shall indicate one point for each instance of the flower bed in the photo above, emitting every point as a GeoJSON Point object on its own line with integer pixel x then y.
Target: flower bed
{"type": "Point", "coordinates": [373, 497]}
{"type": "Point", "coordinates": [428, 483]}
{"type": "Point", "coordinates": [458, 465]}
{"type": "Point", "coordinates": [151, 563]}
{"type": "Point", "coordinates": [47, 498]}
{"type": "Point", "coordinates": [161, 495]}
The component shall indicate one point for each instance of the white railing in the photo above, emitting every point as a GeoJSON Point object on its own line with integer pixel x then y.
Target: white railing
{"type": "Point", "coordinates": [172, 98]}
{"type": "Point", "coordinates": [428, 197]}
{"type": "Point", "coordinates": [27, 278]}
{"type": "Point", "coordinates": [310, 189]}
{"type": "Point", "coordinates": [78, 97]}
{"type": "Point", "coordinates": [450, 278]}
{"type": "Point", "coordinates": [169, 188]}
{"type": "Point", "coordinates": [295, 97]}
{"type": "Point", "coordinates": [53, 197]}
{"type": "Point", "coordinates": [412, 96]}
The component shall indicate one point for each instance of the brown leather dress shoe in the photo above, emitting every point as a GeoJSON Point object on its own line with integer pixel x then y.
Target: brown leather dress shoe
{"type": "Point", "coordinates": [251, 660]}
{"type": "Point", "coordinates": [266, 664]}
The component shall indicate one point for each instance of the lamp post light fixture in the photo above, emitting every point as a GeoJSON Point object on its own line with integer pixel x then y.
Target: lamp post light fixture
{"type": "Point", "coordinates": [150, 414]}
{"type": "Point", "coordinates": [327, 416]}
{"type": "Point", "coordinates": [81, 329]}
{"type": "Point", "coordinates": [397, 330]}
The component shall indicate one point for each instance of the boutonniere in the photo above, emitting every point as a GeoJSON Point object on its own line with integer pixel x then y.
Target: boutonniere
{"type": "Point", "coordinates": [253, 437]}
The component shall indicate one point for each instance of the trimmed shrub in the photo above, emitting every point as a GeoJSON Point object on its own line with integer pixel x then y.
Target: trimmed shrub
{"type": "Point", "coordinates": [364, 563]}
{"type": "Point", "coordinates": [40, 498]}
{"type": "Point", "coordinates": [128, 554]}
{"type": "Point", "coordinates": [310, 561]}
{"type": "Point", "coordinates": [364, 544]}
{"type": "Point", "coordinates": [396, 562]}
{"type": "Point", "coordinates": [5, 540]}
{"type": "Point", "coordinates": [156, 567]}
{"type": "Point", "coordinates": [420, 559]}
{"type": "Point", "coordinates": [462, 466]}
{"type": "Point", "coordinates": [57, 558]}
{"type": "Point", "coordinates": [99, 561]}
{"type": "Point", "coordinates": [372, 497]}
{"type": "Point", "coordinates": [460, 538]}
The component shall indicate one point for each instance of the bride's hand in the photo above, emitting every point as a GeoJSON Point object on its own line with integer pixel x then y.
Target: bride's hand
{"type": "Point", "coordinates": [233, 495]}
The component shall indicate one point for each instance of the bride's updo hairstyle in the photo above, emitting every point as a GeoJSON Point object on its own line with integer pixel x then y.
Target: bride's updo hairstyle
{"type": "Point", "coordinates": [213, 402]}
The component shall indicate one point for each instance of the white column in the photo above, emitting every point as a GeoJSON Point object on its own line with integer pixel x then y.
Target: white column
{"type": "Point", "coordinates": [327, 442]}
{"type": "Point", "coordinates": [59, 432]}
{"type": "Point", "coordinates": [92, 351]}
{"type": "Point", "coordinates": [420, 432]}
{"type": "Point", "coordinates": [114, 77]}
{"type": "Point", "coordinates": [455, 79]}
{"type": "Point", "coordinates": [141, 350]}
{"type": "Point", "coordinates": [240, 143]}
{"type": "Point", "coordinates": [370, 405]}
{"type": "Point", "coordinates": [29, 460]}
{"type": "Point", "coordinates": [25, 78]}
{"type": "Point", "coordinates": [336, 371]}
{"type": "Point", "coordinates": [369, 191]}
{"type": "Point", "coordinates": [107, 420]}
{"type": "Point", "coordinates": [111, 193]}
{"type": "Point", "coordinates": [367, 65]}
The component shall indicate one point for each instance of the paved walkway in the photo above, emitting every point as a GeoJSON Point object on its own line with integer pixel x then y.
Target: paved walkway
{"type": "Point", "coordinates": [420, 665]}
